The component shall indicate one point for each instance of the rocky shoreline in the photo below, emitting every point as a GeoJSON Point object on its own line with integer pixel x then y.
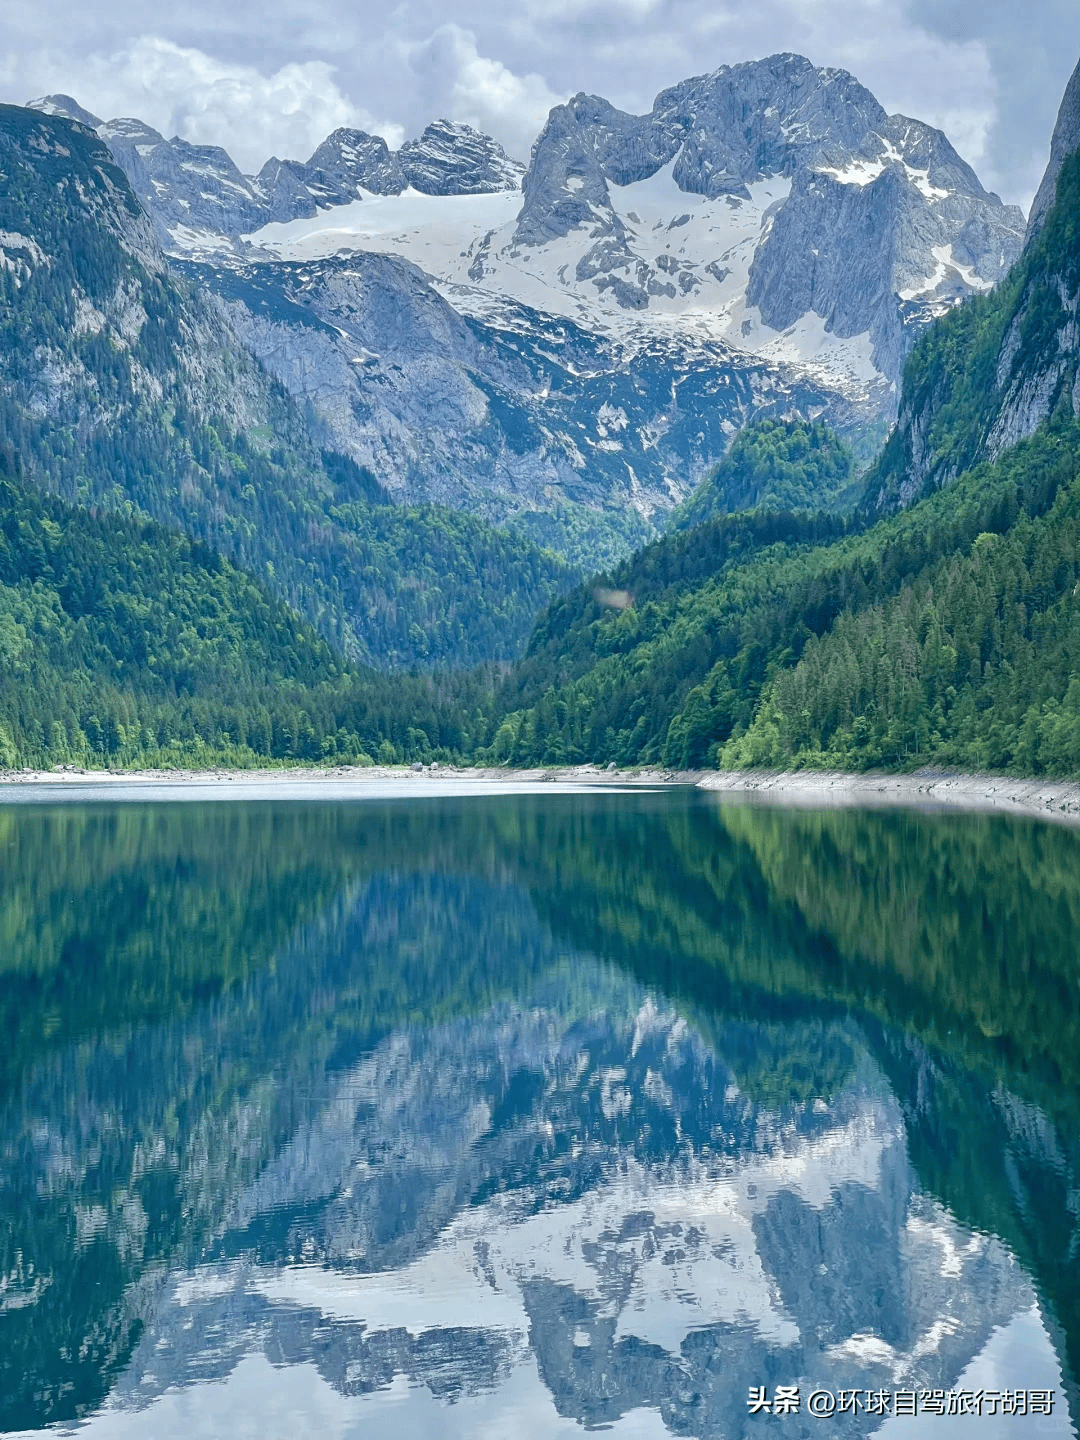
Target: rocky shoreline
{"type": "Point", "coordinates": [923, 789]}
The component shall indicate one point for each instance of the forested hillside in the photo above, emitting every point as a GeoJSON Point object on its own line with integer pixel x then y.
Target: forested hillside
{"type": "Point", "coordinates": [775, 465]}
{"type": "Point", "coordinates": [121, 386]}
{"type": "Point", "coordinates": [694, 665]}
{"type": "Point", "coordinates": [123, 643]}
{"type": "Point", "coordinates": [947, 633]}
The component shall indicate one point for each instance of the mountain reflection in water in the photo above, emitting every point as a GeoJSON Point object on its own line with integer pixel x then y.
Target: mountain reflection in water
{"type": "Point", "coordinates": [531, 1114]}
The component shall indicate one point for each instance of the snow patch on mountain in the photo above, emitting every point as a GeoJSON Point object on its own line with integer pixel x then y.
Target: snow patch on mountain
{"type": "Point", "coordinates": [821, 232]}
{"type": "Point", "coordinates": [698, 251]}
{"type": "Point", "coordinates": [430, 230]}
{"type": "Point", "coordinates": [946, 266]}
{"type": "Point", "coordinates": [862, 171]}
{"type": "Point", "coordinates": [767, 240]}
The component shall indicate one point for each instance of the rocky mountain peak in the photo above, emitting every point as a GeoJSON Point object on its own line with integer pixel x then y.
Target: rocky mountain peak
{"type": "Point", "coordinates": [349, 161]}
{"type": "Point", "coordinates": [1066, 140]}
{"type": "Point", "coordinates": [67, 107]}
{"type": "Point", "coordinates": [67, 163]}
{"type": "Point", "coordinates": [190, 189]}
{"type": "Point", "coordinates": [453, 159]}
{"type": "Point", "coordinates": [762, 117]}
{"type": "Point", "coordinates": [447, 159]}
{"type": "Point", "coordinates": [724, 131]}
{"type": "Point", "coordinates": [872, 223]}
{"type": "Point", "coordinates": [196, 195]}
{"type": "Point", "coordinates": [738, 125]}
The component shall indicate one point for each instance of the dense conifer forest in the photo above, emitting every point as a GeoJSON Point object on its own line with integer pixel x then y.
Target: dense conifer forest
{"type": "Point", "coordinates": [775, 465]}
{"type": "Point", "coordinates": [946, 634]}
{"type": "Point", "coordinates": [125, 643]}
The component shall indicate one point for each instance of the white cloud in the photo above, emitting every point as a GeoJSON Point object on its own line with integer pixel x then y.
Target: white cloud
{"type": "Point", "coordinates": [946, 83]}
{"type": "Point", "coordinates": [182, 91]}
{"type": "Point", "coordinates": [1033, 49]}
{"type": "Point", "coordinates": [478, 91]}
{"type": "Point", "coordinates": [545, 10]}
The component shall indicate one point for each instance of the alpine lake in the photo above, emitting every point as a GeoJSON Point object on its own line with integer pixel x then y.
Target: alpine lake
{"type": "Point", "coordinates": [526, 1113]}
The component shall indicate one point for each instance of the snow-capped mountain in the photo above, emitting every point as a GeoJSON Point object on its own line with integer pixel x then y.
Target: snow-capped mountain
{"type": "Point", "coordinates": [772, 205]}
{"type": "Point", "coordinates": [577, 1191]}
{"type": "Point", "coordinates": [197, 196]}
{"type": "Point", "coordinates": [778, 197]}
{"type": "Point", "coordinates": [766, 240]}
{"type": "Point", "coordinates": [521, 410]}
{"type": "Point", "coordinates": [590, 1201]}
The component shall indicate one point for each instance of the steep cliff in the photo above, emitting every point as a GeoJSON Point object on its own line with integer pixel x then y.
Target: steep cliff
{"type": "Point", "coordinates": [514, 414]}
{"type": "Point", "coordinates": [1065, 141]}
{"type": "Point", "coordinates": [991, 373]}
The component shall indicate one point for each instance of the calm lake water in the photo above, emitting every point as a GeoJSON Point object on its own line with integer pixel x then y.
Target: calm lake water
{"type": "Point", "coordinates": [529, 1114]}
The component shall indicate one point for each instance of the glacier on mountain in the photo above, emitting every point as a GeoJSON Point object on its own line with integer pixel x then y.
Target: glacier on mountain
{"type": "Point", "coordinates": [768, 222]}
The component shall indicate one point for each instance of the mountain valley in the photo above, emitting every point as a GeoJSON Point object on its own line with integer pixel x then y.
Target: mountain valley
{"type": "Point", "coordinates": [420, 404]}
{"type": "Point", "coordinates": [122, 385]}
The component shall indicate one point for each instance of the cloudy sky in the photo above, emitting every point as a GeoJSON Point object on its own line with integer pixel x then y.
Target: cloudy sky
{"type": "Point", "coordinates": [277, 79]}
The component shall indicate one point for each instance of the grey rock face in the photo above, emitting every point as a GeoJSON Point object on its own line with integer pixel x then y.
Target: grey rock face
{"type": "Point", "coordinates": [766, 117]}
{"type": "Point", "coordinates": [197, 187]}
{"type": "Point", "coordinates": [876, 201]}
{"type": "Point", "coordinates": [284, 188]}
{"type": "Point", "coordinates": [854, 253]}
{"type": "Point", "coordinates": [845, 283]}
{"type": "Point", "coordinates": [389, 369]}
{"type": "Point", "coordinates": [584, 143]}
{"type": "Point", "coordinates": [522, 411]}
{"type": "Point", "coordinates": [347, 162]}
{"type": "Point", "coordinates": [446, 160]}
{"type": "Point", "coordinates": [1066, 140]}
{"type": "Point", "coordinates": [451, 159]}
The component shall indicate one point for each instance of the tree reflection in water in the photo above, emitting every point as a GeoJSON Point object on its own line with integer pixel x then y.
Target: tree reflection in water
{"type": "Point", "coordinates": [649, 1098]}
